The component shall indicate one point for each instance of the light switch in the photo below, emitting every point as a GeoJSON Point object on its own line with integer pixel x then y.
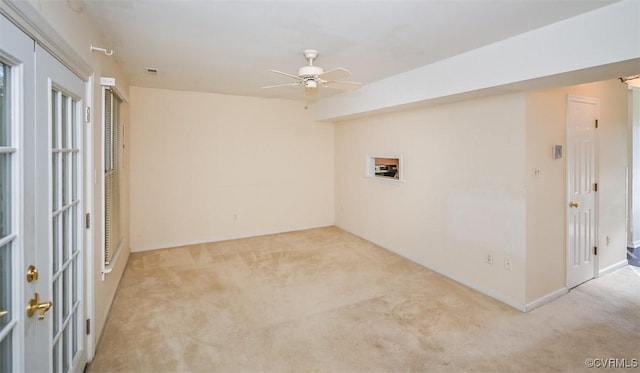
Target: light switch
{"type": "Point", "coordinates": [557, 151]}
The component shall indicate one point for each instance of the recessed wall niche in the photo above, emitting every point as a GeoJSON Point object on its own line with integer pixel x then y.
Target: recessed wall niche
{"type": "Point", "coordinates": [385, 167]}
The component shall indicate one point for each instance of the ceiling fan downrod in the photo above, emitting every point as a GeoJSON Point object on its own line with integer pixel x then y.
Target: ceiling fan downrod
{"type": "Point", "coordinates": [310, 55]}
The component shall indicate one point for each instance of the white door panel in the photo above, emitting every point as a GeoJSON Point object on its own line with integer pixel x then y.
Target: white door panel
{"type": "Point", "coordinates": [58, 197]}
{"type": "Point", "coordinates": [41, 208]}
{"type": "Point", "coordinates": [582, 114]}
{"type": "Point", "coordinates": [16, 184]}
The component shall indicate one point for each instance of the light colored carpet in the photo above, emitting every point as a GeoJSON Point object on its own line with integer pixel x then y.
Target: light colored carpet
{"type": "Point", "coordinates": [323, 300]}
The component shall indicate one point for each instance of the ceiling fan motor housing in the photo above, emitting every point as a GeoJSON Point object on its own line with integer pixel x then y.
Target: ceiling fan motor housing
{"type": "Point", "coordinates": [310, 71]}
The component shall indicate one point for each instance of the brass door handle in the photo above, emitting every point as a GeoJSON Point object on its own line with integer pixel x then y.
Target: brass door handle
{"type": "Point", "coordinates": [2, 313]}
{"type": "Point", "coordinates": [32, 273]}
{"type": "Point", "coordinates": [35, 305]}
{"type": "Point", "coordinates": [573, 205]}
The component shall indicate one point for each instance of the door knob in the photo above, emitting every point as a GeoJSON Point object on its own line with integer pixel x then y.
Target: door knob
{"type": "Point", "coordinates": [573, 205]}
{"type": "Point", "coordinates": [35, 305]}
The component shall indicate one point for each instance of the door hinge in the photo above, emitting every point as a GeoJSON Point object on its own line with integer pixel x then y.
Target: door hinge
{"type": "Point", "coordinates": [87, 114]}
{"type": "Point", "coordinates": [596, 123]}
{"type": "Point", "coordinates": [595, 187]}
{"type": "Point", "coordinates": [88, 326]}
{"type": "Point", "coordinates": [595, 250]}
{"type": "Point", "coordinates": [87, 220]}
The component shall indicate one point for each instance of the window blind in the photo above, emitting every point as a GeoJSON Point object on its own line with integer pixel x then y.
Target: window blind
{"type": "Point", "coordinates": [112, 219]}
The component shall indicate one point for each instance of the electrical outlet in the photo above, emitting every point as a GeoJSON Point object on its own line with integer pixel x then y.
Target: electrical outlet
{"type": "Point", "coordinates": [507, 264]}
{"type": "Point", "coordinates": [608, 240]}
{"type": "Point", "coordinates": [488, 259]}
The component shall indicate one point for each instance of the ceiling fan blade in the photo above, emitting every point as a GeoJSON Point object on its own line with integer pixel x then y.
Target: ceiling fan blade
{"type": "Point", "coordinates": [335, 74]}
{"type": "Point", "coordinates": [343, 85]}
{"type": "Point", "coordinates": [282, 85]}
{"type": "Point", "coordinates": [285, 74]}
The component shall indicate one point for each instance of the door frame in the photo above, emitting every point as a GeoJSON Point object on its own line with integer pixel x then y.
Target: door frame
{"type": "Point", "coordinates": [26, 17]}
{"type": "Point", "coordinates": [89, 177]}
{"type": "Point", "coordinates": [596, 208]}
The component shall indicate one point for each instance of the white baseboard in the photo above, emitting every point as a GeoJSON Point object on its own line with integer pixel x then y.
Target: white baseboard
{"type": "Point", "coordinates": [510, 302]}
{"type": "Point", "coordinates": [170, 245]}
{"type": "Point", "coordinates": [635, 244]}
{"type": "Point", "coordinates": [613, 267]}
{"type": "Point", "coordinates": [490, 293]}
{"type": "Point", "coordinates": [219, 238]}
{"type": "Point", "coordinates": [546, 299]}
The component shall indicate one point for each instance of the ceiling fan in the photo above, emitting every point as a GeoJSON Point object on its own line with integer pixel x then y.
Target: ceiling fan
{"type": "Point", "coordinates": [312, 77]}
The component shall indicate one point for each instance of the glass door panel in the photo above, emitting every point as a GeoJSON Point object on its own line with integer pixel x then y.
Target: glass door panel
{"type": "Point", "coordinates": [66, 230]}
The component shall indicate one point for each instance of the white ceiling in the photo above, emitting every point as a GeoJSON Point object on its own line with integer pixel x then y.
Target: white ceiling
{"type": "Point", "coordinates": [229, 46]}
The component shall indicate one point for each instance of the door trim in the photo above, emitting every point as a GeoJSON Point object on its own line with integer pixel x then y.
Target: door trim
{"type": "Point", "coordinates": [89, 177]}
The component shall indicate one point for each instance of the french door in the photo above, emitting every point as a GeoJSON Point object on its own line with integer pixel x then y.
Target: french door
{"type": "Point", "coordinates": [41, 178]}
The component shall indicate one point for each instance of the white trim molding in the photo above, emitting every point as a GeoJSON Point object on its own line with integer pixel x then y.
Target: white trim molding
{"type": "Point", "coordinates": [108, 268]}
{"type": "Point", "coordinates": [107, 81]}
{"type": "Point", "coordinates": [546, 299]}
{"type": "Point", "coordinates": [613, 267]}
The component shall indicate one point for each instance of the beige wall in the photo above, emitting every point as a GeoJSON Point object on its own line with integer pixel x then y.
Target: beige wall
{"type": "Point", "coordinates": [546, 189]}
{"type": "Point", "coordinates": [546, 195]}
{"type": "Point", "coordinates": [480, 180]}
{"type": "Point", "coordinates": [208, 167]}
{"type": "Point", "coordinates": [78, 31]}
{"type": "Point", "coordinates": [464, 195]}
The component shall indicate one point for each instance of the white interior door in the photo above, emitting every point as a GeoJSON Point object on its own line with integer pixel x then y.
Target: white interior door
{"type": "Point", "coordinates": [59, 215]}
{"type": "Point", "coordinates": [582, 114]}
{"type": "Point", "coordinates": [41, 225]}
{"type": "Point", "coordinates": [17, 239]}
